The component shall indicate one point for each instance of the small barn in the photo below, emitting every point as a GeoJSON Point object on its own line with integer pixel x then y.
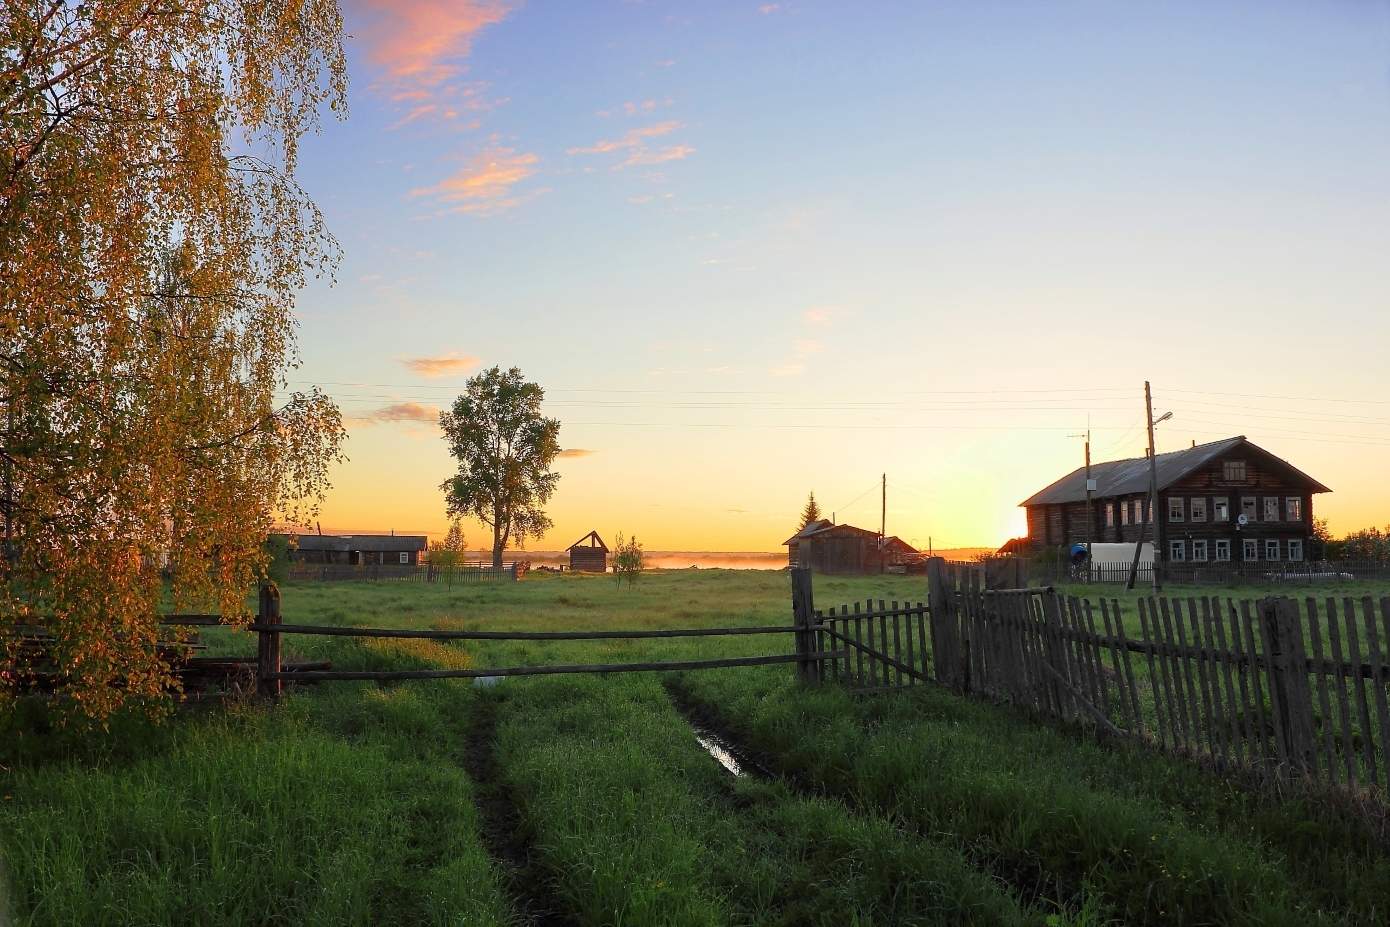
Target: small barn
{"type": "Point", "coordinates": [359, 549]}
{"type": "Point", "coordinates": [589, 554]}
{"type": "Point", "coordinates": [830, 548]}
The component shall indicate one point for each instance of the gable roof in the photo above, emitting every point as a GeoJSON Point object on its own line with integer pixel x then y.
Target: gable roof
{"type": "Point", "coordinates": [824, 528]}
{"type": "Point", "coordinates": [585, 542]}
{"type": "Point", "coordinates": [1123, 477]}
{"type": "Point", "coordinates": [351, 542]}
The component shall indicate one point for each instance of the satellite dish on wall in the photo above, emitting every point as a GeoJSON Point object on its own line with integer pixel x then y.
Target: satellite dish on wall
{"type": "Point", "coordinates": [1242, 519]}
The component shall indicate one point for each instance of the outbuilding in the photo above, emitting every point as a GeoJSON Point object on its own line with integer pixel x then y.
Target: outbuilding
{"type": "Point", "coordinates": [589, 554]}
{"type": "Point", "coordinates": [358, 549]}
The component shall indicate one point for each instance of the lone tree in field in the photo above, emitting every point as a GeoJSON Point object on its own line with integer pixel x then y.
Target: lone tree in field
{"type": "Point", "coordinates": [148, 265]}
{"type": "Point", "coordinates": [504, 448]}
{"type": "Point", "coordinates": [811, 512]}
{"type": "Point", "coordinates": [628, 560]}
{"type": "Point", "coordinates": [449, 552]}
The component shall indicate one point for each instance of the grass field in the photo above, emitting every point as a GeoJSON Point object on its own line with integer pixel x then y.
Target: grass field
{"type": "Point", "coordinates": [585, 800]}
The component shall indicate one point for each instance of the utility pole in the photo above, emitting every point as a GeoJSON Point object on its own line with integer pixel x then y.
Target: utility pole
{"type": "Point", "coordinates": [1153, 501]}
{"type": "Point", "coordinates": [1090, 488]}
{"type": "Point", "coordinates": [883, 525]}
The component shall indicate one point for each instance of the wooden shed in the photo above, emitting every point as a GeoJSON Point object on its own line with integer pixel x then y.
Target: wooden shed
{"type": "Point", "coordinates": [589, 554]}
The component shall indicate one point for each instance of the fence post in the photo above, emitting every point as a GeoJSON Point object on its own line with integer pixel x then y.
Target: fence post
{"type": "Point", "coordinates": [268, 645]}
{"type": "Point", "coordinates": [804, 619]}
{"type": "Point", "coordinates": [945, 624]}
{"type": "Point", "coordinates": [1286, 668]}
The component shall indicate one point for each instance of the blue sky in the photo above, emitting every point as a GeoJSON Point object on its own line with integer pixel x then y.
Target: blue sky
{"type": "Point", "coordinates": [757, 249]}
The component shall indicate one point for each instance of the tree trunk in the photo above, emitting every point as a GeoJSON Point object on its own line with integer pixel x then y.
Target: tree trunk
{"type": "Point", "coordinates": [497, 544]}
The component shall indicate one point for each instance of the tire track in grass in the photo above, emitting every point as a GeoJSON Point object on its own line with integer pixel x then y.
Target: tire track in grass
{"type": "Point", "coordinates": [502, 830]}
{"type": "Point", "coordinates": [1008, 899]}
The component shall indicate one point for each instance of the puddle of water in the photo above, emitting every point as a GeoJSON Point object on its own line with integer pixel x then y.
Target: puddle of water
{"type": "Point", "coordinates": [716, 749]}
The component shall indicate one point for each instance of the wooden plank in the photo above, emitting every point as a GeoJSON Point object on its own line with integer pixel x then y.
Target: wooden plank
{"type": "Point", "coordinates": [1300, 695]}
{"type": "Point", "coordinates": [441, 635]}
{"type": "Point", "coordinates": [859, 653]}
{"type": "Point", "coordinates": [878, 656]}
{"type": "Point", "coordinates": [1363, 710]}
{"type": "Point", "coordinates": [907, 616]}
{"type": "Point", "coordinates": [1235, 709]}
{"type": "Point", "coordinates": [1201, 700]}
{"type": "Point", "coordinates": [883, 623]}
{"type": "Point", "coordinates": [1220, 708]}
{"type": "Point", "coordinates": [1098, 665]}
{"type": "Point", "coordinates": [1334, 640]}
{"type": "Point", "coordinates": [871, 651]}
{"type": "Point", "coordinates": [1182, 698]}
{"type": "Point", "coordinates": [1084, 652]}
{"type": "Point", "coordinates": [1053, 660]}
{"type": "Point", "coordinates": [1381, 680]}
{"type": "Point", "coordinates": [1250, 621]}
{"type": "Point", "coordinates": [1131, 684]}
{"type": "Point", "coordinates": [1329, 747]}
{"type": "Point", "coordinates": [1166, 736]}
{"type": "Point", "coordinates": [1270, 646]}
{"type": "Point", "coordinates": [558, 669]}
{"type": "Point", "coordinates": [922, 639]}
{"type": "Point", "coordinates": [1245, 664]}
{"type": "Point", "coordinates": [268, 684]}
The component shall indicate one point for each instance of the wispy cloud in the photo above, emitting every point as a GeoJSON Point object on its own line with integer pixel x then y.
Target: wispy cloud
{"type": "Point", "coordinates": [818, 316]}
{"type": "Point", "coordinates": [576, 452]}
{"type": "Point", "coordinates": [803, 349]}
{"type": "Point", "coordinates": [637, 107]}
{"type": "Point", "coordinates": [484, 185]}
{"type": "Point", "coordinates": [399, 412]}
{"type": "Point", "coordinates": [659, 156]}
{"type": "Point", "coordinates": [443, 366]}
{"type": "Point", "coordinates": [769, 8]}
{"type": "Point", "coordinates": [420, 46]}
{"type": "Point", "coordinates": [632, 138]}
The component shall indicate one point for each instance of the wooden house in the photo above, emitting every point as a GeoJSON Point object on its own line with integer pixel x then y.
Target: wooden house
{"type": "Point", "coordinates": [359, 549]}
{"type": "Point", "coordinates": [589, 554]}
{"type": "Point", "coordinates": [1226, 501]}
{"type": "Point", "coordinates": [830, 548]}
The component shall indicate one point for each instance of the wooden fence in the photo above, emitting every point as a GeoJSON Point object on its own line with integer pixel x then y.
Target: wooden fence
{"type": "Point", "coordinates": [1212, 573]}
{"type": "Point", "coordinates": [1276, 684]}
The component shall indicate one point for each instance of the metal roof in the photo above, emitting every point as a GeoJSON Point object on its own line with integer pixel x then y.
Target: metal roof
{"type": "Point", "coordinates": [824, 527]}
{"type": "Point", "coordinates": [1126, 477]}
{"type": "Point", "coordinates": [351, 542]}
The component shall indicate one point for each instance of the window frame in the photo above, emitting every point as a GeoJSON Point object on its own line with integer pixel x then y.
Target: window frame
{"type": "Point", "coordinates": [1199, 544]}
{"type": "Point", "coordinates": [1250, 546]}
{"type": "Point", "coordinates": [1295, 544]}
{"type": "Point", "coordinates": [1272, 544]}
{"type": "Point", "coordinates": [1293, 508]}
{"type": "Point", "coordinates": [1181, 510]}
{"type": "Point", "coordinates": [1109, 514]}
{"type": "Point", "coordinates": [1177, 551]}
{"type": "Point", "coordinates": [1195, 504]}
{"type": "Point", "coordinates": [1269, 510]}
{"type": "Point", "coordinates": [405, 557]}
{"type": "Point", "coordinates": [1216, 552]}
{"type": "Point", "coordinates": [1228, 470]}
{"type": "Point", "coordinates": [1124, 514]}
{"type": "Point", "coordinates": [1252, 503]}
{"type": "Point", "coordinates": [1221, 509]}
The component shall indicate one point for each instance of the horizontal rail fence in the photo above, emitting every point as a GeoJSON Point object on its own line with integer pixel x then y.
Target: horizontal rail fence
{"type": "Point", "coordinates": [272, 674]}
{"type": "Point", "coordinates": [460, 573]}
{"type": "Point", "coordinates": [1296, 687]}
{"type": "Point", "coordinates": [883, 643]}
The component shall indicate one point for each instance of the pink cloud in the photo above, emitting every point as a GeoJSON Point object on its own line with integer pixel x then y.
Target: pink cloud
{"type": "Point", "coordinates": [576, 452]}
{"type": "Point", "coordinates": [444, 366]}
{"type": "Point", "coordinates": [660, 156]}
{"type": "Point", "coordinates": [400, 412]}
{"type": "Point", "coordinates": [483, 185]}
{"type": "Point", "coordinates": [419, 47]}
{"type": "Point", "coordinates": [633, 138]}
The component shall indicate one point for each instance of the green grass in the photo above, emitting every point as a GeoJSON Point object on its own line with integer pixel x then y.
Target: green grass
{"type": "Point", "coordinates": [350, 803]}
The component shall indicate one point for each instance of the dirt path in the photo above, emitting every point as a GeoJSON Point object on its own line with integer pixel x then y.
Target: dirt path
{"type": "Point", "coordinates": [502, 831]}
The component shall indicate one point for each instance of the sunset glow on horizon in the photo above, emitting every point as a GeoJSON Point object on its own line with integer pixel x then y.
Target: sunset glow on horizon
{"type": "Point", "coordinates": [753, 250]}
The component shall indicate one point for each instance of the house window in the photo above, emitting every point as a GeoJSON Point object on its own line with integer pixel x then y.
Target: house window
{"type": "Point", "coordinates": [1250, 550]}
{"type": "Point", "coordinates": [405, 557]}
{"type": "Point", "coordinates": [1296, 549]}
{"type": "Point", "coordinates": [1221, 509]}
{"type": "Point", "coordinates": [1175, 512]}
{"type": "Point", "coordinates": [1109, 514]}
{"type": "Point", "coordinates": [1233, 471]}
{"type": "Point", "coordinates": [1199, 511]}
{"type": "Point", "coordinates": [1177, 551]}
{"type": "Point", "coordinates": [1124, 513]}
{"type": "Point", "coordinates": [1247, 507]}
{"type": "Point", "coordinates": [1223, 549]}
{"type": "Point", "coordinates": [1271, 548]}
{"type": "Point", "coordinates": [1138, 511]}
{"type": "Point", "coordinates": [1199, 551]}
{"type": "Point", "coordinates": [1293, 505]}
{"type": "Point", "coordinates": [1271, 508]}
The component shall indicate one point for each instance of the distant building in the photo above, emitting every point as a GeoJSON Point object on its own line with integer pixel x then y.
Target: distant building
{"type": "Point", "coordinates": [358, 549]}
{"type": "Point", "coordinates": [1228, 500]}
{"type": "Point", "coordinates": [589, 554]}
{"type": "Point", "coordinates": [830, 548]}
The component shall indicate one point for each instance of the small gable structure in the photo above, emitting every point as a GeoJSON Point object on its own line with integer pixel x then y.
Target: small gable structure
{"type": "Point", "coordinates": [589, 554]}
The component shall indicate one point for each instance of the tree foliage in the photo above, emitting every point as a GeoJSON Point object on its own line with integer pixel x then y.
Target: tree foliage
{"type": "Point", "coordinates": [152, 238]}
{"type": "Point", "coordinates": [450, 551]}
{"type": "Point", "coordinates": [1367, 544]}
{"type": "Point", "coordinates": [504, 448]}
{"type": "Point", "coordinates": [811, 512]}
{"type": "Point", "coordinates": [628, 560]}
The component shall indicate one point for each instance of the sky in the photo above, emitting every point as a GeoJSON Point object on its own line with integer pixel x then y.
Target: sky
{"type": "Point", "coordinates": [753, 250]}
